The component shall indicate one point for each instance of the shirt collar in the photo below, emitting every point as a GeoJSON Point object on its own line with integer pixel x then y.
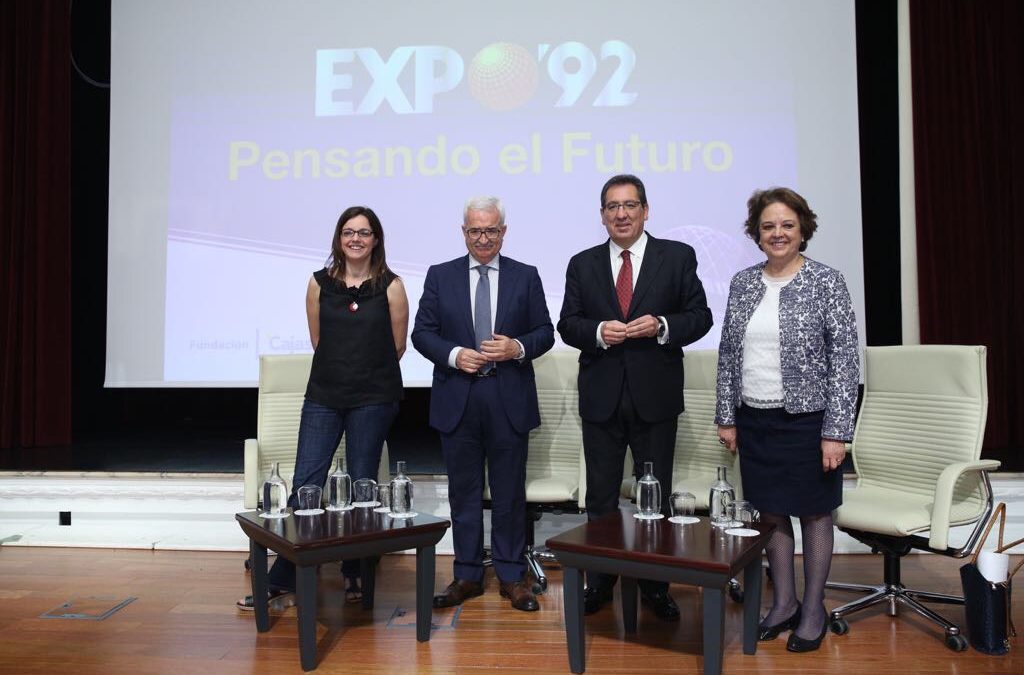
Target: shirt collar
{"type": "Point", "coordinates": [637, 249]}
{"type": "Point", "coordinates": [493, 265]}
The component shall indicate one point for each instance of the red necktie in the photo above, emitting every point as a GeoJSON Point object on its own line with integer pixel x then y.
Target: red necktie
{"type": "Point", "coordinates": [624, 284]}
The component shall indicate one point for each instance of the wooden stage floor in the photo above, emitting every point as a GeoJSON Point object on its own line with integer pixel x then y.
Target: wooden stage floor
{"type": "Point", "coordinates": [183, 620]}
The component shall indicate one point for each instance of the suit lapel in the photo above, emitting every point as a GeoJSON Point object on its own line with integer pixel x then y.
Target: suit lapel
{"type": "Point", "coordinates": [602, 261]}
{"type": "Point", "coordinates": [507, 280]}
{"type": "Point", "coordinates": [461, 295]}
{"type": "Point", "coordinates": [653, 259]}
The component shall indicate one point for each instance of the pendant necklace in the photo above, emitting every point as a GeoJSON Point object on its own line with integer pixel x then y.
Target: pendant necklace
{"type": "Point", "coordinates": [354, 305]}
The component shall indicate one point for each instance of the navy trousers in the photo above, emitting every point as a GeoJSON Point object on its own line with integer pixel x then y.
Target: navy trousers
{"type": "Point", "coordinates": [485, 435]}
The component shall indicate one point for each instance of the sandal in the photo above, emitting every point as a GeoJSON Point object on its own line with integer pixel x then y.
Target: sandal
{"type": "Point", "coordinates": [246, 604]}
{"type": "Point", "coordinates": [353, 593]}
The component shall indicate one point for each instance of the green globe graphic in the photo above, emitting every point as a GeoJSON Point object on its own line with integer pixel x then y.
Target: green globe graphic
{"type": "Point", "coordinates": [503, 76]}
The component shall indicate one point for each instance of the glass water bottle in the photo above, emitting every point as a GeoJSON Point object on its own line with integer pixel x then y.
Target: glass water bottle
{"type": "Point", "coordinates": [401, 494]}
{"type": "Point", "coordinates": [648, 497]}
{"type": "Point", "coordinates": [275, 494]}
{"type": "Point", "coordinates": [339, 489]}
{"type": "Point", "coordinates": [721, 496]}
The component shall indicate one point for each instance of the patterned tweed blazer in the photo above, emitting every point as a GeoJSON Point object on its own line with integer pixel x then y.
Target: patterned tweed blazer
{"type": "Point", "coordinates": [817, 340]}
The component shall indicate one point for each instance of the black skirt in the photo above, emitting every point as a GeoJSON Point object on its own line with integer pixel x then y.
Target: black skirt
{"type": "Point", "coordinates": [780, 462]}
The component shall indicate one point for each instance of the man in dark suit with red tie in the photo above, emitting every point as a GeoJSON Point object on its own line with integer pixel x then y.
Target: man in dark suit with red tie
{"type": "Point", "coordinates": [483, 397]}
{"type": "Point", "coordinates": [631, 304]}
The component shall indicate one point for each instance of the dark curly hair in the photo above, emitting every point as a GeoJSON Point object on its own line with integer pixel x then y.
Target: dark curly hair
{"type": "Point", "coordinates": [762, 199]}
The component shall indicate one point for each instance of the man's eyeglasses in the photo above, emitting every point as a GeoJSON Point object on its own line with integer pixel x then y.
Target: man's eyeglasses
{"type": "Point", "coordinates": [362, 234]}
{"type": "Point", "coordinates": [477, 232]}
{"type": "Point", "coordinates": [611, 208]}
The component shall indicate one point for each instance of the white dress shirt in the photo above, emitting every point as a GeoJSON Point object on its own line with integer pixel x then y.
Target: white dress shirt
{"type": "Point", "coordinates": [636, 255]}
{"type": "Point", "coordinates": [493, 276]}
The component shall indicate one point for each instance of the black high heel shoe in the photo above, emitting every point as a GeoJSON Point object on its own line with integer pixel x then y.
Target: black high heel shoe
{"type": "Point", "coordinates": [798, 644]}
{"type": "Point", "coordinates": [771, 632]}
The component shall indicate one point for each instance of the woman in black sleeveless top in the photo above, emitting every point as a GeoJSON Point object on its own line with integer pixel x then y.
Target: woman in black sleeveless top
{"type": "Point", "coordinates": [358, 316]}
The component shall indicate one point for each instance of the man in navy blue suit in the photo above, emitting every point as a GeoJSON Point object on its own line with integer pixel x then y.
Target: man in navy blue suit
{"type": "Point", "coordinates": [631, 304]}
{"type": "Point", "coordinates": [482, 320]}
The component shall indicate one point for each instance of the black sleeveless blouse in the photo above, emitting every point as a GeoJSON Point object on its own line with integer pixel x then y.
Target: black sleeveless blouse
{"type": "Point", "coordinates": [355, 362]}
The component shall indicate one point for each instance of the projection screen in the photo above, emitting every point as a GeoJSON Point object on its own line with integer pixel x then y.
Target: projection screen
{"type": "Point", "coordinates": [241, 130]}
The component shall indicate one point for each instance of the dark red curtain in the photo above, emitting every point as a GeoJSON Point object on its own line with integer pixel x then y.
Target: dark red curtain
{"type": "Point", "coordinates": [968, 88]}
{"type": "Point", "coordinates": [35, 224]}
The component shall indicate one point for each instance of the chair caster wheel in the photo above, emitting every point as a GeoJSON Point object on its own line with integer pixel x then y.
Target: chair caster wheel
{"type": "Point", "coordinates": [957, 643]}
{"type": "Point", "coordinates": [736, 593]}
{"type": "Point", "coordinates": [839, 626]}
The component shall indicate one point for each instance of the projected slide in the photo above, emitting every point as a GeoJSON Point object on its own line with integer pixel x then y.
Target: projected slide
{"type": "Point", "coordinates": [241, 130]}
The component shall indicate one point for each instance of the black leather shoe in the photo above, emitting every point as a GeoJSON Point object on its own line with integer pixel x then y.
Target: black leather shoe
{"type": "Point", "coordinates": [766, 633]}
{"type": "Point", "coordinates": [457, 592]}
{"type": "Point", "coordinates": [798, 644]}
{"type": "Point", "coordinates": [595, 597]}
{"type": "Point", "coordinates": [520, 594]}
{"type": "Point", "coordinates": [664, 607]}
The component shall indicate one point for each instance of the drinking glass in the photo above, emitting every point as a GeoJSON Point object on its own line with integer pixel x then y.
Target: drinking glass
{"type": "Point", "coordinates": [742, 511]}
{"type": "Point", "coordinates": [743, 514]}
{"type": "Point", "coordinates": [364, 492]}
{"type": "Point", "coordinates": [383, 498]}
{"type": "Point", "coordinates": [683, 505]}
{"type": "Point", "coordinates": [309, 500]}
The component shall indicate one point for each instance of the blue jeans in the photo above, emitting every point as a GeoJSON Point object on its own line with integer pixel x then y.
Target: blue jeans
{"type": "Point", "coordinates": [320, 431]}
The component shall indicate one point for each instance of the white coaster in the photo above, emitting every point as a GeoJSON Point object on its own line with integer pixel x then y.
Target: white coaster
{"type": "Point", "coordinates": [309, 512]}
{"type": "Point", "coordinates": [411, 514]}
{"type": "Point", "coordinates": [267, 514]}
{"type": "Point", "coordinates": [656, 516]}
{"type": "Point", "coordinates": [341, 508]}
{"type": "Point", "coordinates": [684, 520]}
{"type": "Point", "coordinates": [364, 505]}
{"type": "Point", "coordinates": [742, 532]}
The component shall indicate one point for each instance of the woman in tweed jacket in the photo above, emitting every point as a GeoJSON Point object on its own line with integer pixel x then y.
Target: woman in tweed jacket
{"type": "Point", "coordinates": [788, 370]}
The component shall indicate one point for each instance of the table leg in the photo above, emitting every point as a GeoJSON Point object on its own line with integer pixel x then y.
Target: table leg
{"type": "Point", "coordinates": [714, 629]}
{"type": "Point", "coordinates": [305, 597]}
{"type": "Point", "coordinates": [424, 592]}
{"type": "Point", "coordinates": [572, 595]}
{"type": "Point", "coordinates": [258, 572]}
{"type": "Point", "coordinates": [629, 605]}
{"type": "Point", "coordinates": [751, 604]}
{"type": "Point", "coordinates": [368, 571]}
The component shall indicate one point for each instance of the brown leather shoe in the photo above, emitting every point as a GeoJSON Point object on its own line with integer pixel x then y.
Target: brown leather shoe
{"type": "Point", "coordinates": [457, 592]}
{"type": "Point", "coordinates": [521, 595]}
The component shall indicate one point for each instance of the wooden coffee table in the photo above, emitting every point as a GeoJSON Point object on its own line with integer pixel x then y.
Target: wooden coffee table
{"type": "Point", "coordinates": [695, 554]}
{"type": "Point", "coordinates": [309, 541]}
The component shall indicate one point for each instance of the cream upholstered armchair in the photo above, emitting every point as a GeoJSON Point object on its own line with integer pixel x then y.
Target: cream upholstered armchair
{"type": "Point", "coordinates": [698, 452]}
{"type": "Point", "coordinates": [282, 388]}
{"type": "Point", "coordinates": [555, 450]}
{"type": "Point", "coordinates": [917, 451]}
